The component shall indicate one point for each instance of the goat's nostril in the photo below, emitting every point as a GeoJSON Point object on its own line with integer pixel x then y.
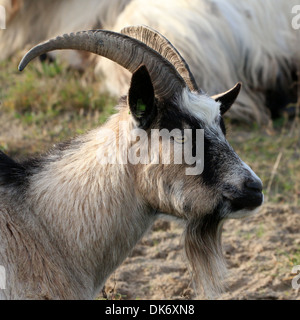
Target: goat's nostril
{"type": "Point", "coordinates": [254, 185]}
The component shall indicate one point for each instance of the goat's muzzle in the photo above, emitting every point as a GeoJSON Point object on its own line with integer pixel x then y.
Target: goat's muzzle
{"type": "Point", "coordinates": [249, 197]}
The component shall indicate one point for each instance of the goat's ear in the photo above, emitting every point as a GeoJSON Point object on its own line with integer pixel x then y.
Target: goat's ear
{"type": "Point", "coordinates": [141, 98]}
{"type": "Point", "coordinates": [227, 98]}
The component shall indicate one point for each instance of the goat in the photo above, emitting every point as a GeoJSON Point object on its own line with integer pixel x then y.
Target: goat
{"type": "Point", "coordinates": [26, 21]}
{"type": "Point", "coordinates": [223, 42]}
{"type": "Point", "coordinates": [68, 220]}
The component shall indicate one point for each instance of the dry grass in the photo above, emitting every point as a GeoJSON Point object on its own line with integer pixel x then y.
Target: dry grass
{"type": "Point", "coordinates": [47, 103]}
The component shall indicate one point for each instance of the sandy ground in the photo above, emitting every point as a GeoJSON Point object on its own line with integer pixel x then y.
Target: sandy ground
{"type": "Point", "coordinates": [260, 252]}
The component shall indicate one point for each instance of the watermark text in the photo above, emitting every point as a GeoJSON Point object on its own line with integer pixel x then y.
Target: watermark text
{"type": "Point", "coordinates": [296, 18]}
{"type": "Point", "coordinates": [2, 18]}
{"type": "Point", "coordinates": [2, 278]}
{"type": "Point", "coordinates": [182, 147]}
{"type": "Point", "coordinates": [295, 281]}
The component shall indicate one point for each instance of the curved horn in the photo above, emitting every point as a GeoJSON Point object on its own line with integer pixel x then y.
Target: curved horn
{"type": "Point", "coordinates": [128, 52]}
{"type": "Point", "coordinates": [164, 47]}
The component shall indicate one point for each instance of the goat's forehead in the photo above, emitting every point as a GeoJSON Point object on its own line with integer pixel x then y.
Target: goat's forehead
{"type": "Point", "coordinates": [200, 106]}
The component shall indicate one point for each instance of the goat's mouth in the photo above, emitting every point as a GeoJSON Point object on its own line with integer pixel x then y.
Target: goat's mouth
{"type": "Point", "coordinates": [239, 207]}
{"type": "Point", "coordinates": [246, 199]}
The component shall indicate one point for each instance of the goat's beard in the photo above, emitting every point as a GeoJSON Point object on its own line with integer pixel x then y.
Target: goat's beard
{"type": "Point", "coordinates": [203, 249]}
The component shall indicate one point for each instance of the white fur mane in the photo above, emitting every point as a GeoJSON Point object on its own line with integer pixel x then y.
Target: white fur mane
{"type": "Point", "coordinates": [201, 106]}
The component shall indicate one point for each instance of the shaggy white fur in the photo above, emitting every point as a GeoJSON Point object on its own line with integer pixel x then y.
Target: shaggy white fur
{"type": "Point", "coordinates": [223, 42]}
{"type": "Point", "coordinates": [32, 21]}
{"type": "Point", "coordinates": [201, 106]}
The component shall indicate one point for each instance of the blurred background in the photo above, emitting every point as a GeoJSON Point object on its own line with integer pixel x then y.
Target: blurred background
{"type": "Point", "coordinates": [66, 93]}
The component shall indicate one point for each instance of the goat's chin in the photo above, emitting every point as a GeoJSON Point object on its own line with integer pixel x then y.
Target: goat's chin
{"type": "Point", "coordinates": [203, 249]}
{"type": "Point", "coordinates": [243, 213]}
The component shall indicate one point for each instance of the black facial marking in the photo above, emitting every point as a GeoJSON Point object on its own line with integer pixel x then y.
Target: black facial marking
{"type": "Point", "coordinates": [210, 172]}
{"type": "Point", "coordinates": [216, 156]}
{"type": "Point", "coordinates": [171, 117]}
{"type": "Point", "coordinates": [215, 151]}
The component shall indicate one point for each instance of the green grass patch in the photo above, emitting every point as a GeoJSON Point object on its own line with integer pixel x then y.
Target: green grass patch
{"type": "Point", "coordinates": [51, 103]}
{"type": "Point", "coordinates": [50, 89]}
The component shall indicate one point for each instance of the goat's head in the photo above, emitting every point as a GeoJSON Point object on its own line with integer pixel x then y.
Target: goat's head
{"type": "Point", "coordinates": [164, 95]}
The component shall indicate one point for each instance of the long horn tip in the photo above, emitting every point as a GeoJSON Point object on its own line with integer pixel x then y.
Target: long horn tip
{"type": "Point", "coordinates": [22, 65]}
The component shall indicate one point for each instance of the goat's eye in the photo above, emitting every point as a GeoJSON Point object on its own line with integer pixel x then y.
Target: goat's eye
{"type": "Point", "coordinates": [181, 139]}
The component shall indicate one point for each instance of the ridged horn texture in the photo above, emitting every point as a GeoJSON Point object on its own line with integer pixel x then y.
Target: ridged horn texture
{"type": "Point", "coordinates": [164, 47]}
{"type": "Point", "coordinates": [128, 52]}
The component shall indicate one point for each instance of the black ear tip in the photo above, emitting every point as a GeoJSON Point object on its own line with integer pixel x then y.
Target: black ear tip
{"type": "Point", "coordinates": [238, 86]}
{"type": "Point", "coordinates": [139, 76]}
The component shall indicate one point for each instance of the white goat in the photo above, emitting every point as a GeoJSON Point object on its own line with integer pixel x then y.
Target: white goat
{"type": "Point", "coordinates": [67, 220]}
{"type": "Point", "coordinates": [32, 21]}
{"type": "Point", "coordinates": [224, 41]}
